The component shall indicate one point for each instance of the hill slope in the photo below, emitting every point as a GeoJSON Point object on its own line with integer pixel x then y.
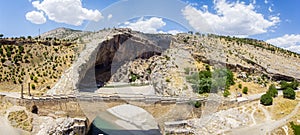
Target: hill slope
{"type": "Point", "coordinates": [160, 59]}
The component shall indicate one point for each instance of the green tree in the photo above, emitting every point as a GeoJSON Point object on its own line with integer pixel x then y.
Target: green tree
{"type": "Point", "coordinates": [8, 53]}
{"type": "Point", "coordinates": [204, 85]}
{"type": "Point", "coordinates": [240, 86]}
{"type": "Point", "coordinates": [1, 35]}
{"type": "Point", "coordinates": [3, 60]}
{"type": "Point", "coordinates": [204, 82]}
{"type": "Point", "coordinates": [31, 77]}
{"type": "Point", "coordinates": [245, 90]}
{"type": "Point", "coordinates": [284, 85]}
{"type": "Point", "coordinates": [289, 93]}
{"type": "Point", "coordinates": [294, 84]}
{"type": "Point", "coordinates": [272, 91]}
{"type": "Point", "coordinates": [33, 86]}
{"type": "Point", "coordinates": [296, 128]}
{"type": "Point", "coordinates": [35, 79]}
{"type": "Point", "coordinates": [224, 75]}
{"type": "Point", "coordinates": [266, 99]}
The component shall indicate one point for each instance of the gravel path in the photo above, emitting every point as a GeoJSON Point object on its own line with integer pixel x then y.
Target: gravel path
{"type": "Point", "coordinates": [266, 127]}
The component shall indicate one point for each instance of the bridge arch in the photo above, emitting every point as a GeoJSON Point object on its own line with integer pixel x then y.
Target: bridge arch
{"type": "Point", "coordinates": [34, 109]}
{"type": "Point", "coordinates": [124, 119]}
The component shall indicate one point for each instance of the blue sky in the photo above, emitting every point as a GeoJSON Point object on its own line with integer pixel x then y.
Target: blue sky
{"type": "Point", "coordinates": [275, 21]}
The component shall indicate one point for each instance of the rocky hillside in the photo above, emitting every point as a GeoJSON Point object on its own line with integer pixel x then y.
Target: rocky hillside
{"type": "Point", "coordinates": [251, 60]}
{"type": "Point", "coordinates": [246, 54]}
{"type": "Point", "coordinates": [38, 62]}
{"type": "Point", "coordinates": [122, 55]}
{"type": "Point", "coordinates": [64, 34]}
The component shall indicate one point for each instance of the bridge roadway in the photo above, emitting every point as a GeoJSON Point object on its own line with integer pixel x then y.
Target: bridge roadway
{"type": "Point", "coordinates": [94, 97]}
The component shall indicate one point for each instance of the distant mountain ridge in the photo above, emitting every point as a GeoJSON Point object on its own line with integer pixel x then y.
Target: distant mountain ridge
{"type": "Point", "coordinates": [64, 33]}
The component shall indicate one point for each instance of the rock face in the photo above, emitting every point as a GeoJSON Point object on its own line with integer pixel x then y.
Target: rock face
{"type": "Point", "coordinates": [104, 55]}
{"type": "Point", "coordinates": [122, 55]}
{"type": "Point", "coordinates": [62, 126]}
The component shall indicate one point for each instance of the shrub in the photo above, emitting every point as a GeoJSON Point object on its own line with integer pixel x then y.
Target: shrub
{"type": "Point", "coordinates": [296, 128]}
{"type": "Point", "coordinates": [197, 104]}
{"type": "Point", "coordinates": [289, 93]}
{"type": "Point", "coordinates": [226, 93]}
{"type": "Point", "coordinates": [266, 99]}
{"type": "Point", "coordinates": [48, 87]}
{"type": "Point", "coordinates": [187, 70]}
{"type": "Point", "coordinates": [2, 60]}
{"type": "Point", "coordinates": [273, 92]}
{"type": "Point", "coordinates": [240, 86]}
{"type": "Point", "coordinates": [31, 77]}
{"type": "Point", "coordinates": [20, 80]}
{"type": "Point", "coordinates": [33, 86]}
{"type": "Point", "coordinates": [245, 90]}
{"type": "Point", "coordinates": [204, 82]}
{"type": "Point", "coordinates": [35, 79]}
{"type": "Point", "coordinates": [168, 80]}
{"type": "Point", "coordinates": [134, 77]}
{"type": "Point", "coordinates": [294, 84]}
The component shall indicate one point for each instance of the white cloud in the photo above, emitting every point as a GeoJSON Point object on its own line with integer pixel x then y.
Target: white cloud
{"type": "Point", "coordinates": [109, 16]}
{"type": "Point", "coordinates": [151, 25]}
{"type": "Point", "coordinates": [174, 32]}
{"type": "Point", "coordinates": [67, 11]}
{"type": "Point", "coordinates": [236, 18]}
{"type": "Point", "coordinates": [289, 42]}
{"type": "Point", "coordinates": [36, 17]}
{"type": "Point", "coordinates": [205, 8]}
{"type": "Point", "coordinates": [146, 25]}
{"type": "Point", "coordinates": [266, 1]}
{"type": "Point", "coordinates": [270, 9]}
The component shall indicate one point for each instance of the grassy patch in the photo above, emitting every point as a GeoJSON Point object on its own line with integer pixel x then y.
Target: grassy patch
{"type": "Point", "coordinates": [296, 128]}
{"type": "Point", "coordinates": [281, 107]}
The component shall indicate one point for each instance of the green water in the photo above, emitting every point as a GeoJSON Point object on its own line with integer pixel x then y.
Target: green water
{"type": "Point", "coordinates": [104, 123]}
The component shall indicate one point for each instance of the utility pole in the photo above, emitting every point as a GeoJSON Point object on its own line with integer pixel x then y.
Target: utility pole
{"type": "Point", "coordinates": [29, 89]}
{"type": "Point", "coordinates": [22, 91]}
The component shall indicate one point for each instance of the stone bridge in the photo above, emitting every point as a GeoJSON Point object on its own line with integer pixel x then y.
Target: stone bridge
{"type": "Point", "coordinates": [90, 105]}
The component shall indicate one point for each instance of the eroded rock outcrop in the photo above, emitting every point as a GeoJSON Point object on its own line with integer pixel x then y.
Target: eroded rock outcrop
{"type": "Point", "coordinates": [62, 126]}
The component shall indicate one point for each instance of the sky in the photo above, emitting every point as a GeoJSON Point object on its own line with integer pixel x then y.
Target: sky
{"type": "Point", "coordinates": [274, 21]}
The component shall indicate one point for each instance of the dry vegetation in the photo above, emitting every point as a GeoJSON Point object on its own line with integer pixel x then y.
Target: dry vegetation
{"type": "Point", "coordinates": [253, 88]}
{"type": "Point", "coordinates": [20, 119]}
{"type": "Point", "coordinates": [39, 62]}
{"type": "Point", "coordinates": [281, 107]}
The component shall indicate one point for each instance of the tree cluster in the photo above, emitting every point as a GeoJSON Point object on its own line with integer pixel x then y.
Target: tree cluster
{"type": "Point", "coordinates": [210, 82]}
